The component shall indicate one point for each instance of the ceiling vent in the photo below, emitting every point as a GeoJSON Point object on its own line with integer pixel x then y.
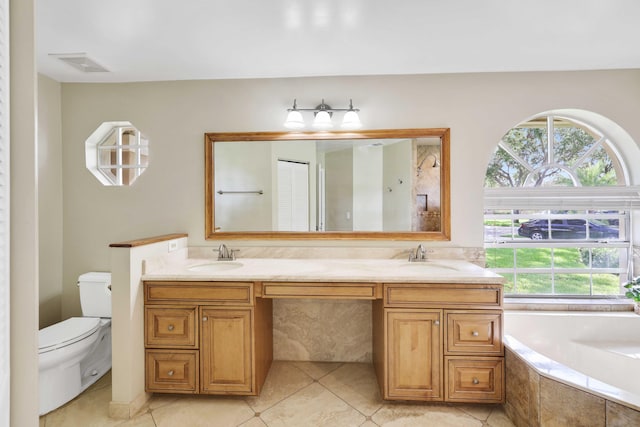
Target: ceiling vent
{"type": "Point", "coordinates": [80, 62]}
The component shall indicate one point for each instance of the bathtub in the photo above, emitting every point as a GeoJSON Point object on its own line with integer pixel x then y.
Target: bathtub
{"type": "Point", "coordinates": [594, 352]}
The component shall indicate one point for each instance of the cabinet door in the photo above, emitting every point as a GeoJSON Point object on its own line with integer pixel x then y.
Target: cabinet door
{"type": "Point", "coordinates": [226, 351]}
{"type": "Point", "coordinates": [414, 352]}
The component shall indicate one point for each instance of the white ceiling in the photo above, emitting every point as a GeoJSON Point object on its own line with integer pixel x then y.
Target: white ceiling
{"type": "Point", "coordinates": [146, 40]}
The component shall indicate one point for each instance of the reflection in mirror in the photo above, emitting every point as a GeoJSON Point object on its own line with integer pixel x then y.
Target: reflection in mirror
{"type": "Point", "coordinates": [371, 184]}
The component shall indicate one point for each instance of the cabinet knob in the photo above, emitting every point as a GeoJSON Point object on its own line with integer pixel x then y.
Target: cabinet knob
{"type": "Point", "coordinates": [437, 323]}
{"type": "Point", "coordinates": [170, 373]}
{"type": "Point", "coordinates": [475, 381]}
{"type": "Point", "coordinates": [475, 333]}
{"type": "Point", "coordinates": [170, 327]}
{"type": "Point", "coordinates": [205, 318]}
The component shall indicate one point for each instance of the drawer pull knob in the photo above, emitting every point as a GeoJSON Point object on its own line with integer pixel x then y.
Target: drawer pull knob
{"type": "Point", "coordinates": [475, 333]}
{"type": "Point", "coordinates": [437, 323]}
{"type": "Point", "coordinates": [170, 373]}
{"type": "Point", "coordinates": [170, 327]}
{"type": "Point", "coordinates": [475, 381]}
{"type": "Point", "coordinates": [205, 318]}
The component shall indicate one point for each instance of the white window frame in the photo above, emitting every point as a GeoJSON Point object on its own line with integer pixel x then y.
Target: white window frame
{"type": "Point", "coordinates": [514, 243]}
{"type": "Point", "coordinates": [548, 199]}
{"type": "Point", "coordinates": [112, 173]}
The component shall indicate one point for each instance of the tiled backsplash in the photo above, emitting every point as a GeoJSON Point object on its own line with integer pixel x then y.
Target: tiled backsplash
{"type": "Point", "coordinates": [474, 255]}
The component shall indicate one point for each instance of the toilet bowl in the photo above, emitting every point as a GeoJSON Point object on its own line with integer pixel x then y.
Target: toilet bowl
{"type": "Point", "coordinates": [75, 353]}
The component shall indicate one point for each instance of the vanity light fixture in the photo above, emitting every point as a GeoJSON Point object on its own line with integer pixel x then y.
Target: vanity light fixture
{"type": "Point", "coordinates": [322, 117]}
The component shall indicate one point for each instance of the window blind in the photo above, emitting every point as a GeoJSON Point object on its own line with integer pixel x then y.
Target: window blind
{"type": "Point", "coordinates": [563, 198]}
{"type": "Point", "coordinates": [4, 213]}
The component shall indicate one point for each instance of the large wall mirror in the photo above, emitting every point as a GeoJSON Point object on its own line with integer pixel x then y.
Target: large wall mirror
{"type": "Point", "coordinates": [378, 184]}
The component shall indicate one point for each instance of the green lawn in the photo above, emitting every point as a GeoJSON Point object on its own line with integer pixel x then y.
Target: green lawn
{"type": "Point", "coordinates": [498, 222]}
{"type": "Point", "coordinates": [570, 284]}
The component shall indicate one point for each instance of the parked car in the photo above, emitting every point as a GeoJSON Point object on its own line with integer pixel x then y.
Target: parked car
{"type": "Point", "coordinates": [539, 229]}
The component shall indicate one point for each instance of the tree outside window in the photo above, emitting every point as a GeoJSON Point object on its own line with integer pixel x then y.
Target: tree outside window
{"type": "Point", "coordinates": [547, 248]}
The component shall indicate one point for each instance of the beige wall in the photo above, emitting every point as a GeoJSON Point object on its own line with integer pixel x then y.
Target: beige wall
{"type": "Point", "coordinates": [24, 216]}
{"type": "Point", "coordinates": [50, 200]}
{"type": "Point", "coordinates": [168, 197]}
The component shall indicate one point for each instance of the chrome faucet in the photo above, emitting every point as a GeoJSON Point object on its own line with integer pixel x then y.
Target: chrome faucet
{"type": "Point", "coordinates": [420, 254]}
{"type": "Point", "coordinates": [226, 254]}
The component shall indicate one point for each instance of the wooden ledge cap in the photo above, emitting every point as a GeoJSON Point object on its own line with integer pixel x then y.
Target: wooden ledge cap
{"type": "Point", "coordinates": [148, 240]}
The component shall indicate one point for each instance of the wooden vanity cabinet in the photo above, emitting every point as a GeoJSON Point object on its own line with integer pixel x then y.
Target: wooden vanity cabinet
{"type": "Point", "coordinates": [439, 342]}
{"type": "Point", "coordinates": [206, 337]}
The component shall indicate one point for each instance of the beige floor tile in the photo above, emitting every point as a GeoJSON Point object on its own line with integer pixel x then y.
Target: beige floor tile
{"type": "Point", "coordinates": [405, 415]}
{"type": "Point", "coordinates": [480, 412]}
{"type": "Point", "coordinates": [310, 407]}
{"type": "Point", "coordinates": [144, 420]}
{"type": "Point", "coordinates": [254, 422]}
{"type": "Point", "coordinates": [159, 400]}
{"type": "Point", "coordinates": [317, 370]}
{"type": "Point", "coordinates": [205, 411]}
{"type": "Point", "coordinates": [104, 381]}
{"type": "Point", "coordinates": [499, 418]}
{"type": "Point", "coordinates": [90, 409]}
{"type": "Point", "coordinates": [284, 379]}
{"type": "Point", "coordinates": [356, 384]}
{"type": "Point", "coordinates": [342, 394]}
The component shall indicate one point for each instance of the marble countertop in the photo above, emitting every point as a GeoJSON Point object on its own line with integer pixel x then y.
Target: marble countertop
{"type": "Point", "coordinates": [322, 270]}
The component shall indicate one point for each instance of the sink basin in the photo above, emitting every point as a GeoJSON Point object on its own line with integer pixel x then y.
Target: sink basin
{"type": "Point", "coordinates": [427, 266]}
{"type": "Point", "coordinates": [212, 267]}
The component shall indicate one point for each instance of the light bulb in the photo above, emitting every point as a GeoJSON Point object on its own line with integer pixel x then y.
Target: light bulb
{"type": "Point", "coordinates": [351, 120]}
{"type": "Point", "coordinates": [322, 120]}
{"type": "Point", "coordinates": [294, 120]}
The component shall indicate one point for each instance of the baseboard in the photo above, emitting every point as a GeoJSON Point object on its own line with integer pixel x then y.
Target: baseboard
{"type": "Point", "coordinates": [125, 411]}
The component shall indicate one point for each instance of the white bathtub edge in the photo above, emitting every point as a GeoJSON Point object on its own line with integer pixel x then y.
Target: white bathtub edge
{"type": "Point", "coordinates": [553, 370]}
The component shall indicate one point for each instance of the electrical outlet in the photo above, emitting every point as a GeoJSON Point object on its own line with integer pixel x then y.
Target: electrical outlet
{"type": "Point", "coordinates": [173, 246]}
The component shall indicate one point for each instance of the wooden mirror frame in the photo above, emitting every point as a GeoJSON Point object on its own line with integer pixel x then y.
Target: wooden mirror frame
{"type": "Point", "coordinates": [445, 203]}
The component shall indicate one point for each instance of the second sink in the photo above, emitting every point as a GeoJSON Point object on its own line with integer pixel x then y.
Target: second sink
{"type": "Point", "coordinates": [212, 267]}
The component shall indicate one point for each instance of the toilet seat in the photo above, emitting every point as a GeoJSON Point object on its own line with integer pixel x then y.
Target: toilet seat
{"type": "Point", "coordinates": [66, 332]}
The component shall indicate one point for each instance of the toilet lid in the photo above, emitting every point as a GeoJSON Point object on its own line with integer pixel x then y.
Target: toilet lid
{"type": "Point", "coordinates": [66, 332]}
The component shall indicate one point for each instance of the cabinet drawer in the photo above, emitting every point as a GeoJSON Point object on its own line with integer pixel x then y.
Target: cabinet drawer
{"type": "Point", "coordinates": [472, 333]}
{"type": "Point", "coordinates": [171, 326]}
{"type": "Point", "coordinates": [442, 295]}
{"type": "Point", "coordinates": [475, 380]}
{"type": "Point", "coordinates": [173, 371]}
{"type": "Point", "coordinates": [211, 293]}
{"type": "Point", "coordinates": [319, 290]}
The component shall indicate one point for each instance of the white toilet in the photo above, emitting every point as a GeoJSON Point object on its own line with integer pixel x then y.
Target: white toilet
{"type": "Point", "coordinates": [76, 352]}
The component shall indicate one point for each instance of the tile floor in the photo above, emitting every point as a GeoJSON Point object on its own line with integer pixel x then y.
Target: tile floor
{"type": "Point", "coordinates": [299, 394]}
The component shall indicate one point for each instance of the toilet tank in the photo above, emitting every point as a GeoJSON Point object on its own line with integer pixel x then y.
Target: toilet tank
{"type": "Point", "coordinates": [95, 294]}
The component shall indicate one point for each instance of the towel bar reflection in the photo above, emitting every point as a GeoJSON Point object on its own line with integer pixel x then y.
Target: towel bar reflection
{"type": "Point", "coordinates": [241, 192]}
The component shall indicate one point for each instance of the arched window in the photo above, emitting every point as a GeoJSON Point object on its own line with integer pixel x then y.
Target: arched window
{"type": "Point", "coordinates": [557, 205]}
